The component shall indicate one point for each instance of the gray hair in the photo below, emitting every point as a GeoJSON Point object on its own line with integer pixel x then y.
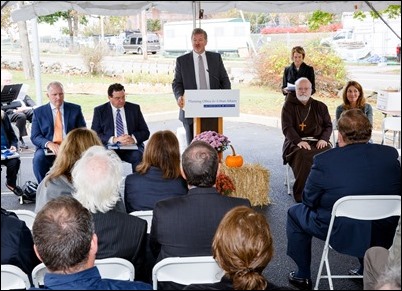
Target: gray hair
{"type": "Point", "coordinates": [97, 176]}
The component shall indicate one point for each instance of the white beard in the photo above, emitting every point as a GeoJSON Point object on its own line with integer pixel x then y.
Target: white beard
{"type": "Point", "coordinates": [303, 98]}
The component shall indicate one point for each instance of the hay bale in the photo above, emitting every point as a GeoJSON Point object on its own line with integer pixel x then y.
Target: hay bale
{"type": "Point", "coordinates": [251, 182]}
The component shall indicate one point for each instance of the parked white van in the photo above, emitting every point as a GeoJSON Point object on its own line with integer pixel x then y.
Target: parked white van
{"type": "Point", "coordinates": [133, 43]}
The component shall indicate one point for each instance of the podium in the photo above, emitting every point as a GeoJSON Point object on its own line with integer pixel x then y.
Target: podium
{"type": "Point", "coordinates": [208, 107]}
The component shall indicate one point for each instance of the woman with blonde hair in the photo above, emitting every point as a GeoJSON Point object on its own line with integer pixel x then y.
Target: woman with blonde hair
{"type": "Point", "coordinates": [58, 181]}
{"type": "Point", "coordinates": [158, 176]}
{"type": "Point", "coordinates": [242, 247]}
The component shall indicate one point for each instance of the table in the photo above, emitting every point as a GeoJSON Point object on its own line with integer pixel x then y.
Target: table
{"type": "Point", "coordinates": [391, 113]}
{"type": "Point", "coordinates": [251, 182]}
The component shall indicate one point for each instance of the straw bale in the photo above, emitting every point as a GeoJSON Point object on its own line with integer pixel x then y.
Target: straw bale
{"type": "Point", "coordinates": [251, 182]}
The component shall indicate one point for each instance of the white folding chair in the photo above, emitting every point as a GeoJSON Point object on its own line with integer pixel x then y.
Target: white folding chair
{"type": "Point", "coordinates": [289, 179]}
{"type": "Point", "coordinates": [13, 278]}
{"type": "Point", "coordinates": [26, 215]}
{"type": "Point", "coordinates": [365, 207]}
{"type": "Point", "coordinates": [187, 270]}
{"type": "Point", "coordinates": [109, 268]}
{"type": "Point", "coordinates": [334, 132]}
{"type": "Point", "coordinates": [146, 215]}
{"type": "Point", "coordinates": [392, 123]}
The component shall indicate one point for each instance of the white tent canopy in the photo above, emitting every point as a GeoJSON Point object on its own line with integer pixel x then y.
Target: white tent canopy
{"type": "Point", "coordinates": [41, 8]}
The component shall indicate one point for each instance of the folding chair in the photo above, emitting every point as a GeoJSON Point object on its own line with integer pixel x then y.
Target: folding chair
{"type": "Point", "coordinates": [13, 278]}
{"type": "Point", "coordinates": [26, 215]}
{"type": "Point", "coordinates": [187, 270]}
{"type": "Point", "coordinates": [365, 207]}
{"type": "Point", "coordinates": [392, 123]}
{"type": "Point", "coordinates": [146, 215]}
{"type": "Point", "coordinates": [289, 179]}
{"type": "Point", "coordinates": [334, 132]}
{"type": "Point", "coordinates": [109, 268]}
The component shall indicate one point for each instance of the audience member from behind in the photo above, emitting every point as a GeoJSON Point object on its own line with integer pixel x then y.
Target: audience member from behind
{"type": "Point", "coordinates": [296, 70]}
{"type": "Point", "coordinates": [353, 97]}
{"type": "Point", "coordinates": [9, 143]}
{"type": "Point", "coordinates": [307, 127]}
{"type": "Point", "coordinates": [50, 125]}
{"type": "Point", "coordinates": [20, 114]}
{"type": "Point", "coordinates": [380, 264]}
{"type": "Point", "coordinates": [65, 241]}
{"type": "Point", "coordinates": [16, 243]}
{"type": "Point", "coordinates": [96, 178]}
{"type": "Point", "coordinates": [120, 122]}
{"type": "Point", "coordinates": [158, 176]}
{"type": "Point", "coordinates": [185, 226]}
{"type": "Point", "coordinates": [242, 247]}
{"type": "Point", "coordinates": [59, 180]}
{"type": "Point", "coordinates": [372, 169]}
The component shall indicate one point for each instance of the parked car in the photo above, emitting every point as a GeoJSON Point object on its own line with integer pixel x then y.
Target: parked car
{"type": "Point", "coordinates": [133, 43]}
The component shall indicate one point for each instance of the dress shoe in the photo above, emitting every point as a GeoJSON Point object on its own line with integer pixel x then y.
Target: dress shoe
{"type": "Point", "coordinates": [300, 283]}
{"type": "Point", "coordinates": [16, 190]}
{"type": "Point", "coordinates": [23, 145]}
{"type": "Point", "coordinates": [355, 272]}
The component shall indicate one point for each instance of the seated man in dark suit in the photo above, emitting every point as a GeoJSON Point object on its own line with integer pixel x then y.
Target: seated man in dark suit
{"type": "Point", "coordinates": [16, 243]}
{"type": "Point", "coordinates": [185, 226]}
{"type": "Point", "coordinates": [122, 123]}
{"type": "Point", "coordinates": [9, 141]}
{"type": "Point", "coordinates": [51, 122]}
{"type": "Point", "coordinates": [372, 169]}
{"type": "Point", "coordinates": [66, 242]}
{"type": "Point", "coordinates": [96, 178]}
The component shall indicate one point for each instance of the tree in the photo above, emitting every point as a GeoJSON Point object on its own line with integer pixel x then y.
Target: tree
{"type": "Point", "coordinates": [72, 17]}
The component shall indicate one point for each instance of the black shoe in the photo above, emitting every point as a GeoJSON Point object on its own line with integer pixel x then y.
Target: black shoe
{"type": "Point", "coordinates": [355, 272]}
{"type": "Point", "coordinates": [17, 190]}
{"type": "Point", "coordinates": [23, 145]}
{"type": "Point", "coordinates": [300, 283]}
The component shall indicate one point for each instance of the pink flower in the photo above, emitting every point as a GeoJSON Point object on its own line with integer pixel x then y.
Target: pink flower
{"type": "Point", "coordinates": [218, 141]}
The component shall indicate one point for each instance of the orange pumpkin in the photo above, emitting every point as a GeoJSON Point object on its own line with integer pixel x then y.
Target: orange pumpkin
{"type": "Point", "coordinates": [234, 161]}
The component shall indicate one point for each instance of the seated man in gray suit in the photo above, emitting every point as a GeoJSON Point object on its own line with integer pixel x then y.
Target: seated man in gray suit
{"type": "Point", "coordinates": [185, 226]}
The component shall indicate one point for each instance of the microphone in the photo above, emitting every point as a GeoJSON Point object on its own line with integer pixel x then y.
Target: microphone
{"type": "Point", "coordinates": [216, 78]}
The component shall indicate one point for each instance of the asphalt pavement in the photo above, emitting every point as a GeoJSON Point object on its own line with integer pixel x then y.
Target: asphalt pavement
{"type": "Point", "coordinates": [258, 140]}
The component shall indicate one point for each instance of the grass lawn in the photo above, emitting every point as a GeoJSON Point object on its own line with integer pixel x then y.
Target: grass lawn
{"type": "Point", "coordinates": [90, 91]}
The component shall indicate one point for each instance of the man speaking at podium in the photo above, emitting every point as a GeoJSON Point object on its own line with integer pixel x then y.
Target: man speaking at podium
{"type": "Point", "coordinates": [198, 69]}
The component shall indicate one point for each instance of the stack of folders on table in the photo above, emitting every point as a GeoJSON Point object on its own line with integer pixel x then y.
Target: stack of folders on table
{"type": "Point", "coordinates": [119, 146]}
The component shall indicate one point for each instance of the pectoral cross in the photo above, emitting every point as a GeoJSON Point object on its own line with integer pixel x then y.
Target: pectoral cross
{"type": "Point", "coordinates": [302, 126]}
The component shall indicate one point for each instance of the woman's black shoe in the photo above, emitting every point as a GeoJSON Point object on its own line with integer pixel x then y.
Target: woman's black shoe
{"type": "Point", "coordinates": [301, 283]}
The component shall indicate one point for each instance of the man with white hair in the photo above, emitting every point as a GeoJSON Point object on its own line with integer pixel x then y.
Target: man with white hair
{"type": "Point", "coordinates": [97, 177]}
{"type": "Point", "coordinates": [307, 127]}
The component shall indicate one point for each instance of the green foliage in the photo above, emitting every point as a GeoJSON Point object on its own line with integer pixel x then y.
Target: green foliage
{"type": "Point", "coordinates": [153, 25]}
{"type": "Point", "coordinates": [330, 70]}
{"type": "Point", "coordinates": [392, 12]}
{"type": "Point", "coordinates": [319, 18]}
{"type": "Point", "coordinates": [137, 78]}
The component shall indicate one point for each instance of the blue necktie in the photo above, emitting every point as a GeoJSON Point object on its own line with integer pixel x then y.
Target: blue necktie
{"type": "Point", "coordinates": [119, 124]}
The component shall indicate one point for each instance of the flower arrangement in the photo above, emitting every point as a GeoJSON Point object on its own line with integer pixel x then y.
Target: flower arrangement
{"type": "Point", "coordinates": [218, 141]}
{"type": "Point", "coordinates": [224, 184]}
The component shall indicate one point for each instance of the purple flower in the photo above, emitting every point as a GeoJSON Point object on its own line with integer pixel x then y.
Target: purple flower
{"type": "Point", "coordinates": [218, 141]}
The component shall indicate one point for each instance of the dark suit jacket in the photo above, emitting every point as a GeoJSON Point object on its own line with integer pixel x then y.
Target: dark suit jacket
{"type": "Point", "coordinates": [358, 169]}
{"type": "Point", "coordinates": [103, 123]}
{"type": "Point", "coordinates": [291, 75]}
{"type": "Point", "coordinates": [185, 226]}
{"type": "Point", "coordinates": [16, 243]}
{"type": "Point", "coordinates": [141, 192]}
{"type": "Point", "coordinates": [9, 131]}
{"type": "Point", "coordinates": [121, 235]}
{"type": "Point", "coordinates": [184, 77]}
{"type": "Point", "coordinates": [42, 129]}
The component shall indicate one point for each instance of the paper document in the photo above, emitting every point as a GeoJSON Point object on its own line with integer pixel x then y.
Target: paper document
{"type": "Point", "coordinates": [6, 154]}
{"type": "Point", "coordinates": [291, 87]}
